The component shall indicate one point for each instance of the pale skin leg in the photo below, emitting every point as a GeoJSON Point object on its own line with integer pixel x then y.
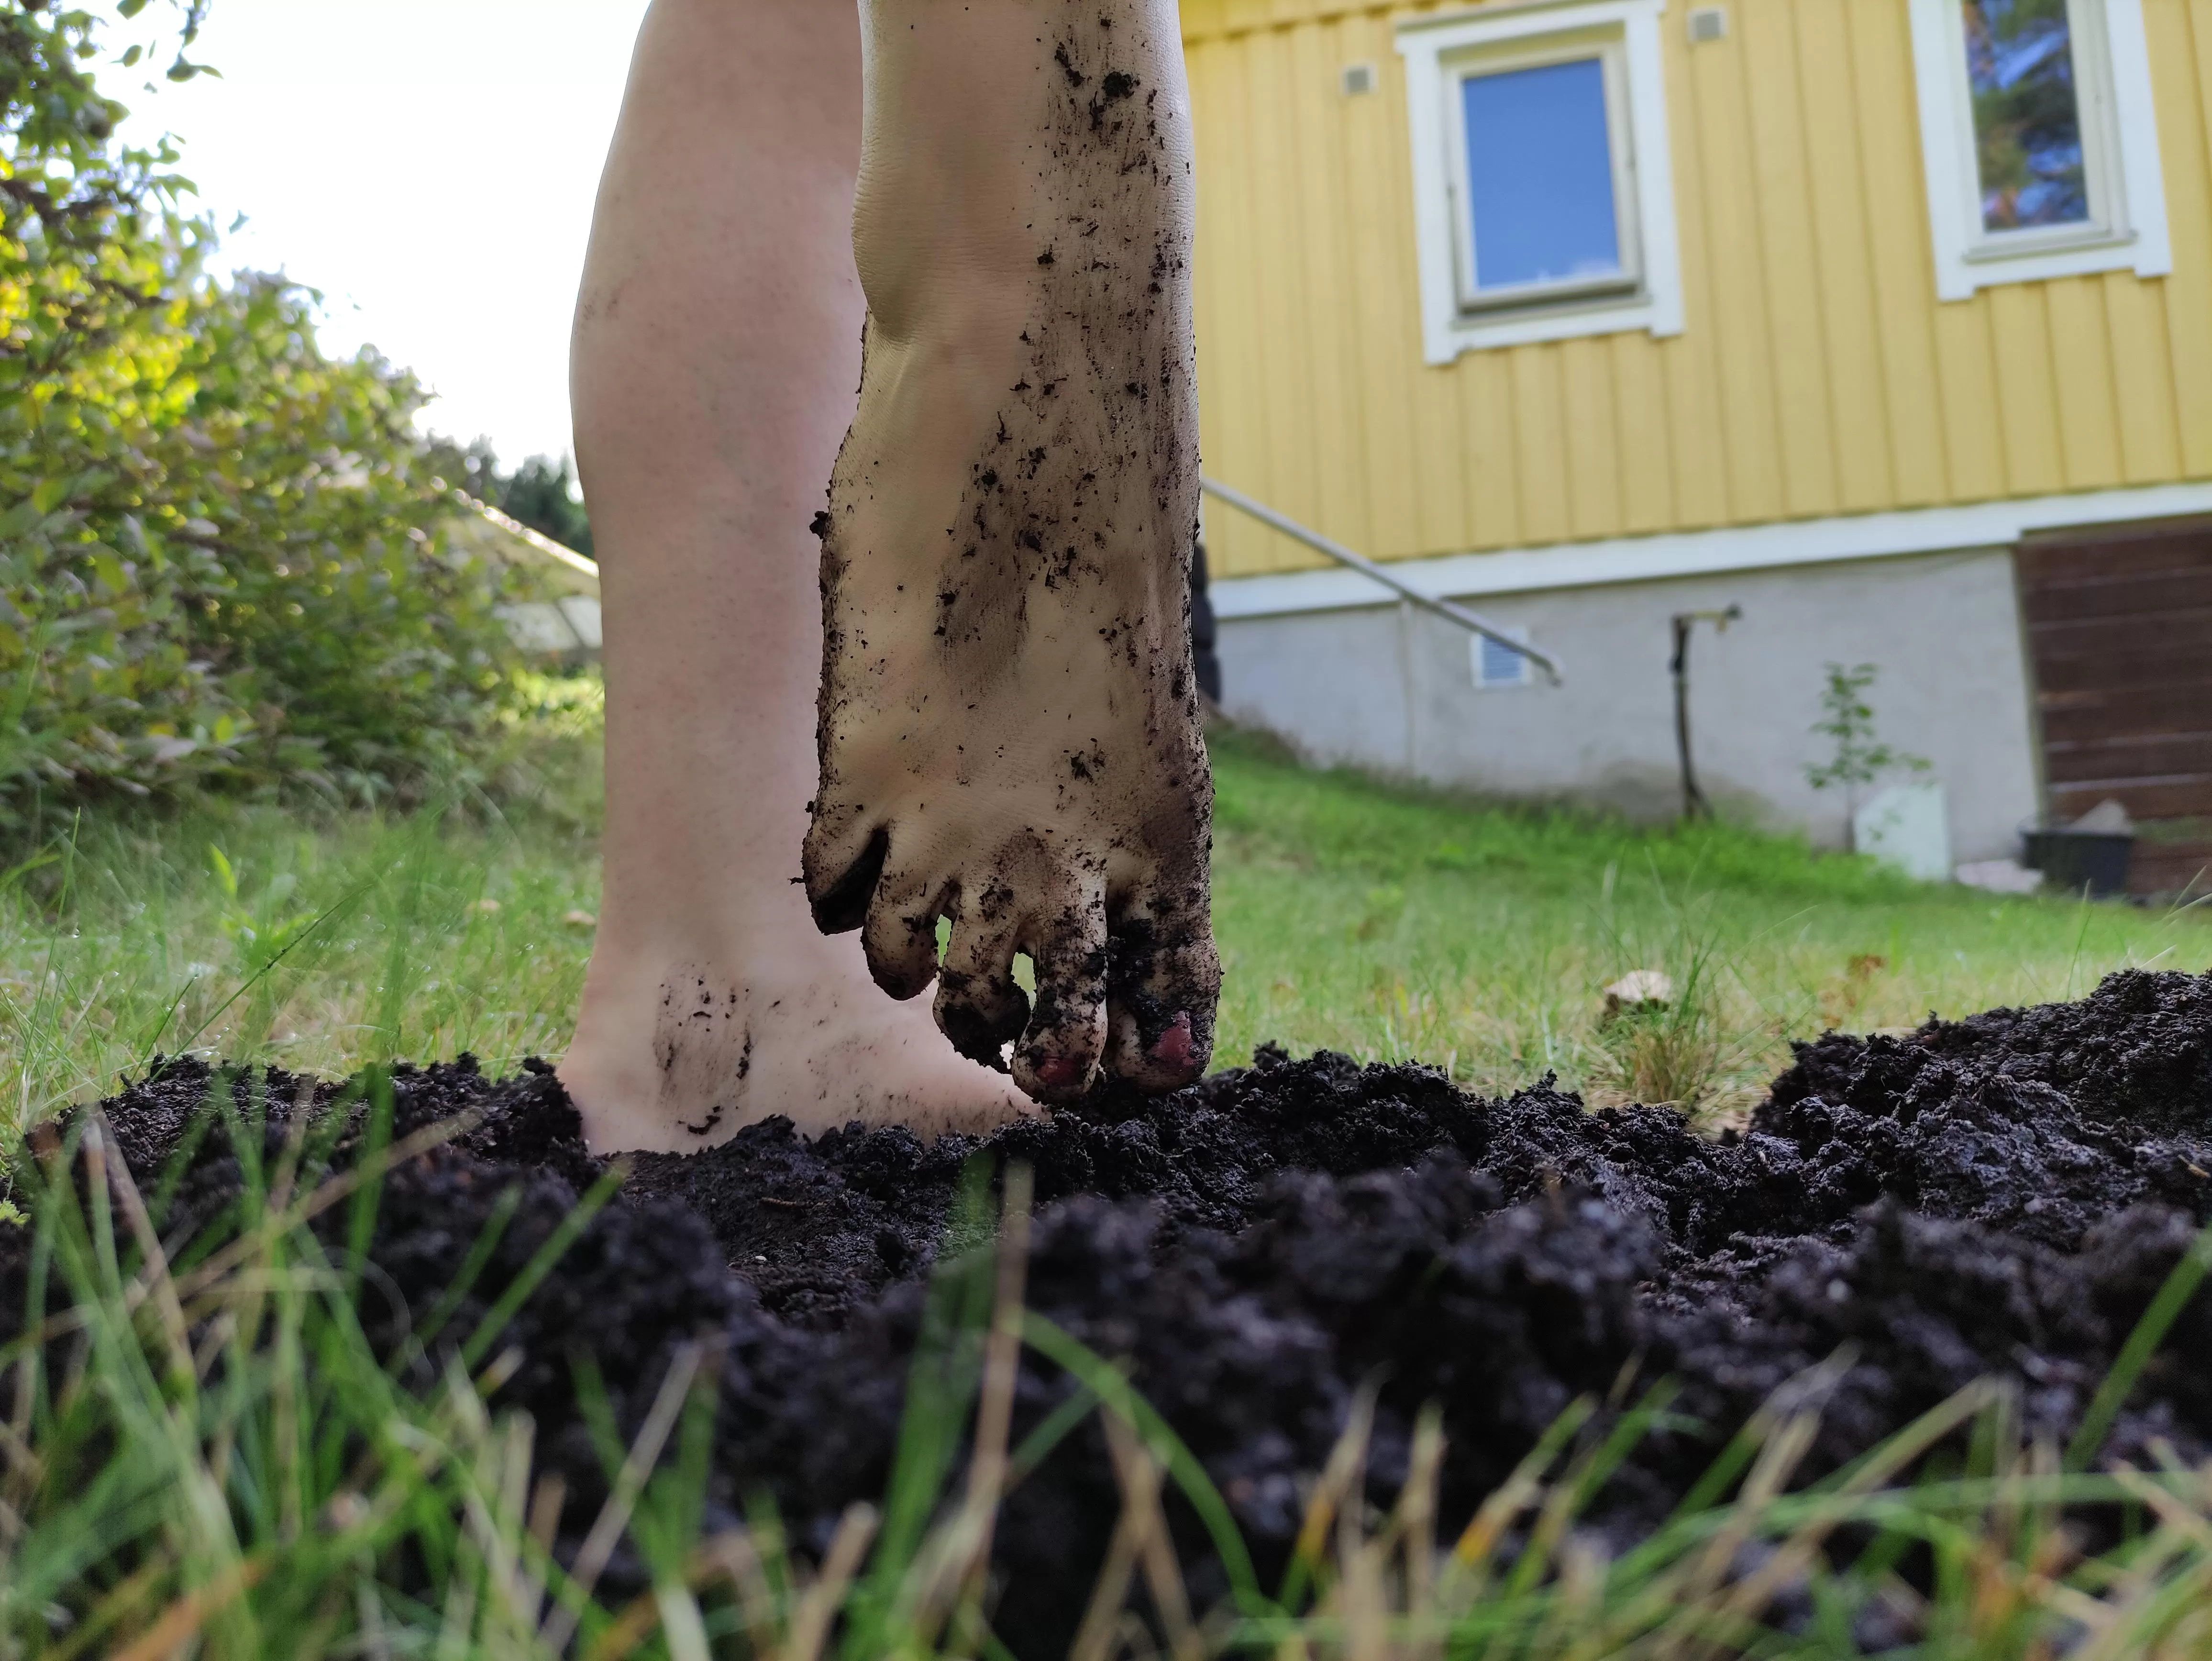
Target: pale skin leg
{"type": "Point", "coordinates": [1022, 759]}
{"type": "Point", "coordinates": [1009, 728]}
{"type": "Point", "coordinates": [718, 343]}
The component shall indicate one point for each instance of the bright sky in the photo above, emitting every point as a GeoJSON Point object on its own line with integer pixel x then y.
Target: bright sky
{"type": "Point", "coordinates": [428, 164]}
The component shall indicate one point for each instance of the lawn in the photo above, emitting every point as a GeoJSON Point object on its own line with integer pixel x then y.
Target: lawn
{"type": "Point", "coordinates": [1385, 923]}
{"type": "Point", "coordinates": [1382, 921]}
{"type": "Point", "coordinates": [210, 1446]}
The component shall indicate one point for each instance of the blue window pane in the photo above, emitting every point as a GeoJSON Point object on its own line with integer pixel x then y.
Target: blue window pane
{"type": "Point", "coordinates": [1501, 665]}
{"type": "Point", "coordinates": [2027, 116]}
{"type": "Point", "coordinates": [1539, 175]}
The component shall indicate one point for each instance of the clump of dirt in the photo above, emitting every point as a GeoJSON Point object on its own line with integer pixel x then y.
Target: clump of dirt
{"type": "Point", "coordinates": [2002, 1195]}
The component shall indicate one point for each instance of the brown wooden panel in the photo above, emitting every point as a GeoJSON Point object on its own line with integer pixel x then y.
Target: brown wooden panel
{"type": "Point", "coordinates": [2147, 594]}
{"type": "Point", "coordinates": [2139, 755]}
{"type": "Point", "coordinates": [2090, 715]}
{"type": "Point", "coordinates": [2171, 869]}
{"type": "Point", "coordinates": [2175, 669]}
{"type": "Point", "coordinates": [2144, 548]}
{"type": "Point", "coordinates": [2183, 634]}
{"type": "Point", "coordinates": [2147, 802]}
{"type": "Point", "coordinates": [2119, 634]}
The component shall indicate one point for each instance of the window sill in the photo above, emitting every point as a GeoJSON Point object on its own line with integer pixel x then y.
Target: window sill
{"type": "Point", "coordinates": [1984, 267]}
{"type": "Point", "coordinates": [2030, 245]}
{"type": "Point", "coordinates": [1567, 319]}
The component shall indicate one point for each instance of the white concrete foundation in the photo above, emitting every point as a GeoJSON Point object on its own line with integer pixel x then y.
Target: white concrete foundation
{"type": "Point", "coordinates": [1389, 688]}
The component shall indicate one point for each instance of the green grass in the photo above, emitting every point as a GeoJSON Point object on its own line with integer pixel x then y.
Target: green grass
{"type": "Point", "coordinates": [1385, 923]}
{"type": "Point", "coordinates": [1394, 924]}
{"type": "Point", "coordinates": [314, 941]}
{"type": "Point", "coordinates": [204, 1455]}
{"type": "Point", "coordinates": [200, 1455]}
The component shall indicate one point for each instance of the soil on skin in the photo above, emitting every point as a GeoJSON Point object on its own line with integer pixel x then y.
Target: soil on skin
{"type": "Point", "coordinates": [2001, 1195]}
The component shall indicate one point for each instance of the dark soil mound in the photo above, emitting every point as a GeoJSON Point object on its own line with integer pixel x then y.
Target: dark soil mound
{"type": "Point", "coordinates": [2001, 1195]}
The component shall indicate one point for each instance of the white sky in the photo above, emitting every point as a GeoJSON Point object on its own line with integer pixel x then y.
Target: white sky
{"type": "Point", "coordinates": [429, 165]}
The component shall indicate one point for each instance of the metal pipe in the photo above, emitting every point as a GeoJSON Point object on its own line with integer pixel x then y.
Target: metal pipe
{"type": "Point", "coordinates": [1694, 804]}
{"type": "Point", "coordinates": [1367, 567]}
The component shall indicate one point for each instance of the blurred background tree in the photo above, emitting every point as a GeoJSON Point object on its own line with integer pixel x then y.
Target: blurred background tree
{"type": "Point", "coordinates": [541, 493]}
{"type": "Point", "coordinates": [222, 552]}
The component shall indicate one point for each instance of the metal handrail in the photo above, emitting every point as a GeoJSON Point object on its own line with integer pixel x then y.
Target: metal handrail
{"type": "Point", "coordinates": [1367, 567]}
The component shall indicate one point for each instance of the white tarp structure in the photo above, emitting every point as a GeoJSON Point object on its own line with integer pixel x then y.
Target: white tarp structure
{"type": "Point", "coordinates": [565, 621]}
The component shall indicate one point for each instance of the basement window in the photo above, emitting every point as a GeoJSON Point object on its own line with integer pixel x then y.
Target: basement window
{"type": "Point", "coordinates": [1544, 197]}
{"type": "Point", "coordinates": [1495, 665]}
{"type": "Point", "coordinates": [2040, 141]}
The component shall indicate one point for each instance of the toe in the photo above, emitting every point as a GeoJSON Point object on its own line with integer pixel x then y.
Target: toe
{"type": "Point", "coordinates": [842, 864]}
{"type": "Point", "coordinates": [900, 934]}
{"type": "Point", "coordinates": [1058, 1054]}
{"type": "Point", "coordinates": [980, 1007]}
{"type": "Point", "coordinates": [1163, 984]}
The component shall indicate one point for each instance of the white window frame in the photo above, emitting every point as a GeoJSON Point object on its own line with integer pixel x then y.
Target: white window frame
{"type": "Point", "coordinates": [1521, 675]}
{"type": "Point", "coordinates": [1440, 52]}
{"type": "Point", "coordinates": [2119, 143]}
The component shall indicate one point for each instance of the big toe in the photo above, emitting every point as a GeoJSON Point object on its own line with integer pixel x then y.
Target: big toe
{"type": "Point", "coordinates": [1164, 985]}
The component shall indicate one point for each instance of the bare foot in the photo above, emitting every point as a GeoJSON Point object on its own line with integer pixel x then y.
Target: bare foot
{"type": "Point", "coordinates": [1009, 726]}
{"type": "Point", "coordinates": [717, 344]}
{"type": "Point", "coordinates": [688, 1057]}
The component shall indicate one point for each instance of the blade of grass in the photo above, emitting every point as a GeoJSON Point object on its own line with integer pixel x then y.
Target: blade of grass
{"type": "Point", "coordinates": [2172, 1296]}
{"type": "Point", "coordinates": [1073, 1356]}
{"type": "Point", "coordinates": [343, 902]}
{"type": "Point", "coordinates": [606, 1530]}
{"type": "Point", "coordinates": [564, 1235]}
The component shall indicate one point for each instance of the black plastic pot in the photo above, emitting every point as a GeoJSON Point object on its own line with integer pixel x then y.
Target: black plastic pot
{"type": "Point", "coordinates": [2071, 860]}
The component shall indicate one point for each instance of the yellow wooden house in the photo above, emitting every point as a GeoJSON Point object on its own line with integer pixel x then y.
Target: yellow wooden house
{"type": "Point", "coordinates": [1887, 321]}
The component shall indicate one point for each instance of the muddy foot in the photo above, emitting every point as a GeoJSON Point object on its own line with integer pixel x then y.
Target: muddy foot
{"type": "Point", "coordinates": [805, 1036]}
{"type": "Point", "coordinates": [1009, 728]}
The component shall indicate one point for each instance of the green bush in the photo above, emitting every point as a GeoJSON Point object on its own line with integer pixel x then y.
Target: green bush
{"type": "Point", "coordinates": [221, 558]}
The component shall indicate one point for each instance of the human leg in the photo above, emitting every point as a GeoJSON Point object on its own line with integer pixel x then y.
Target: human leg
{"type": "Point", "coordinates": [1009, 723]}
{"type": "Point", "coordinates": [716, 350]}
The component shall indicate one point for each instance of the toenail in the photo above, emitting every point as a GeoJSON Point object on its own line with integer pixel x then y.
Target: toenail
{"type": "Point", "coordinates": [1060, 1072]}
{"type": "Point", "coordinates": [1173, 1046]}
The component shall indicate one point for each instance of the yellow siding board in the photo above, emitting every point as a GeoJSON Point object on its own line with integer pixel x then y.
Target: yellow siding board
{"type": "Point", "coordinates": [1593, 440]}
{"type": "Point", "coordinates": [1239, 14]}
{"type": "Point", "coordinates": [1886, 131]}
{"type": "Point", "coordinates": [1227, 437]}
{"type": "Point", "coordinates": [1324, 322]}
{"type": "Point", "coordinates": [1442, 521]}
{"type": "Point", "coordinates": [1795, 364]}
{"type": "Point", "coordinates": [1638, 372]}
{"type": "Point", "coordinates": [2142, 381]}
{"type": "Point", "coordinates": [1696, 441]}
{"type": "Point", "coordinates": [2018, 325]}
{"type": "Point", "coordinates": [1974, 434]}
{"type": "Point", "coordinates": [2081, 369]}
{"type": "Point", "coordinates": [1721, 153]}
{"type": "Point", "coordinates": [1245, 462]}
{"type": "Point", "coordinates": [1849, 337]}
{"type": "Point", "coordinates": [1541, 451]}
{"type": "Point", "coordinates": [1283, 200]}
{"type": "Point", "coordinates": [1817, 373]}
{"type": "Point", "coordinates": [1486, 418]}
{"type": "Point", "coordinates": [2181, 76]}
{"type": "Point", "coordinates": [1388, 340]}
